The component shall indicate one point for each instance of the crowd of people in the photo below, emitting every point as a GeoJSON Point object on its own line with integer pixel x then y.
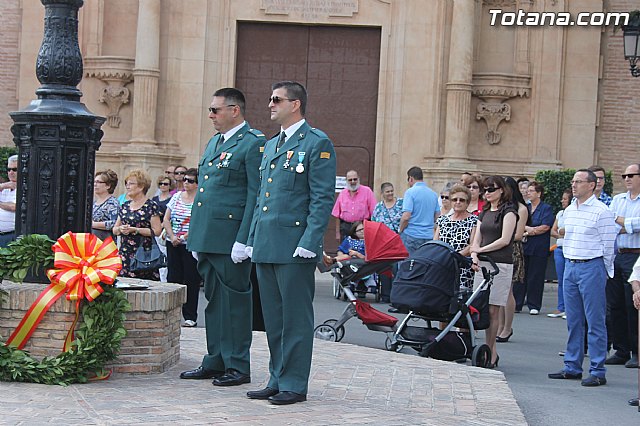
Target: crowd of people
{"type": "Point", "coordinates": [242, 193]}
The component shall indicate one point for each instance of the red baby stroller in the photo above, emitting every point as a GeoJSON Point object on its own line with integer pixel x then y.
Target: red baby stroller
{"type": "Point", "coordinates": [383, 249]}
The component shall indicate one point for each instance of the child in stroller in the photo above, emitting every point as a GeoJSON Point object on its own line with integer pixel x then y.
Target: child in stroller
{"type": "Point", "coordinates": [353, 247]}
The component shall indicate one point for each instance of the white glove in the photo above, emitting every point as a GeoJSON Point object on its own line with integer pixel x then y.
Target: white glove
{"type": "Point", "coordinates": [248, 250]}
{"type": "Point", "coordinates": [195, 255]}
{"type": "Point", "coordinates": [302, 252]}
{"type": "Point", "coordinates": [238, 252]}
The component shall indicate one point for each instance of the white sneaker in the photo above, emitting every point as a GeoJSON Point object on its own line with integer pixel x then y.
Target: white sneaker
{"type": "Point", "coordinates": [534, 312]}
{"type": "Point", "coordinates": [564, 316]}
{"type": "Point", "coordinates": [189, 323]}
{"type": "Point", "coordinates": [556, 314]}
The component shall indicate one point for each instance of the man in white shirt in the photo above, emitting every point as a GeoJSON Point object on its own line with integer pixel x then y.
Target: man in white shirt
{"type": "Point", "coordinates": [590, 233]}
{"type": "Point", "coordinates": [8, 203]}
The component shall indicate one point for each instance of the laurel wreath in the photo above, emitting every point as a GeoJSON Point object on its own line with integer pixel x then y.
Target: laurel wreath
{"type": "Point", "coordinates": [97, 338]}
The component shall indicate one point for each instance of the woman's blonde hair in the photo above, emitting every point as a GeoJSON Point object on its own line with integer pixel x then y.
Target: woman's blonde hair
{"type": "Point", "coordinates": [143, 178]}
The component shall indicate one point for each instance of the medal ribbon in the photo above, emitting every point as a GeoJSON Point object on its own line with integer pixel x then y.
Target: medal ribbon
{"type": "Point", "coordinates": [81, 263]}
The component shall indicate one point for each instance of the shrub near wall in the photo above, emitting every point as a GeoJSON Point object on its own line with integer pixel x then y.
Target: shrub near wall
{"type": "Point", "coordinates": [556, 181]}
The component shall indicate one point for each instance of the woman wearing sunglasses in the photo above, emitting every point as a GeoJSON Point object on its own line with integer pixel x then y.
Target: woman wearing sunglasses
{"type": "Point", "coordinates": [494, 238]}
{"type": "Point", "coordinates": [181, 265]}
{"type": "Point", "coordinates": [474, 183]}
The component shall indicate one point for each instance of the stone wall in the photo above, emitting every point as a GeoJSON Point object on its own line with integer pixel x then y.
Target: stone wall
{"type": "Point", "coordinates": [152, 344]}
{"type": "Point", "coordinates": [617, 141]}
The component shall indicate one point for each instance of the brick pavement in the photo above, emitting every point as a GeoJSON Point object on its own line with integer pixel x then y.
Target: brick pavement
{"type": "Point", "coordinates": [349, 385]}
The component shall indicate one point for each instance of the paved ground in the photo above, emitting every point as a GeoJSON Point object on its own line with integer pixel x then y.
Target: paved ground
{"type": "Point", "coordinates": [349, 385]}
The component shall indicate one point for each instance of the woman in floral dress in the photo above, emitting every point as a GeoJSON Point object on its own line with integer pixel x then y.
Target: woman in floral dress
{"type": "Point", "coordinates": [135, 220]}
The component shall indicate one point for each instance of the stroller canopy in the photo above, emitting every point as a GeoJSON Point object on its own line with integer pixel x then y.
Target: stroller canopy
{"type": "Point", "coordinates": [382, 243]}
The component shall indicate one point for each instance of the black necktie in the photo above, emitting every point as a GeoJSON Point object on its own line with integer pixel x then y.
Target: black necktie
{"type": "Point", "coordinates": [283, 135]}
{"type": "Point", "coordinates": [220, 141]}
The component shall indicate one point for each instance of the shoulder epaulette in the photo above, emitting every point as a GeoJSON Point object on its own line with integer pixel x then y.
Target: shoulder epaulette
{"type": "Point", "coordinates": [319, 132]}
{"type": "Point", "coordinates": [256, 132]}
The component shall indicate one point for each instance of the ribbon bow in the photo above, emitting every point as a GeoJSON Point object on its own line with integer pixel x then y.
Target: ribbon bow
{"type": "Point", "coordinates": [82, 262]}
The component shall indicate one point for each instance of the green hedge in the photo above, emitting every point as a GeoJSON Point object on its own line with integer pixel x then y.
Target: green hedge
{"type": "Point", "coordinates": [556, 181]}
{"type": "Point", "coordinates": [5, 153]}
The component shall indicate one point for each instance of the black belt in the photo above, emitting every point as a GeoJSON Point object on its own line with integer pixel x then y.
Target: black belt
{"type": "Point", "coordinates": [583, 260]}
{"type": "Point", "coordinates": [629, 250]}
{"type": "Point", "coordinates": [7, 232]}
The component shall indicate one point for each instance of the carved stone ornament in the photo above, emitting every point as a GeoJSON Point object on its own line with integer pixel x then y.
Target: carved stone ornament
{"type": "Point", "coordinates": [116, 72]}
{"type": "Point", "coordinates": [499, 3]}
{"type": "Point", "coordinates": [493, 114]}
{"type": "Point", "coordinates": [494, 89]}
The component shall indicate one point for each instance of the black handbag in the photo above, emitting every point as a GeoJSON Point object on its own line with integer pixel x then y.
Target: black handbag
{"type": "Point", "coordinates": [146, 260]}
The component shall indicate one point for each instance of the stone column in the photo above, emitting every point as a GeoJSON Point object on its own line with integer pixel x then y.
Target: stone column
{"type": "Point", "coordinates": [459, 80]}
{"type": "Point", "coordinates": [146, 74]}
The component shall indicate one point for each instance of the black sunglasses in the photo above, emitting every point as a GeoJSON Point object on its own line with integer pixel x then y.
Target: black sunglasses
{"type": "Point", "coordinates": [164, 184]}
{"type": "Point", "coordinates": [630, 175]}
{"type": "Point", "coordinates": [459, 200]}
{"type": "Point", "coordinates": [214, 110]}
{"type": "Point", "coordinates": [180, 173]}
{"type": "Point", "coordinates": [278, 99]}
{"type": "Point", "coordinates": [444, 197]}
{"type": "Point", "coordinates": [491, 189]}
{"type": "Point", "coordinates": [188, 180]}
{"type": "Point", "coordinates": [15, 169]}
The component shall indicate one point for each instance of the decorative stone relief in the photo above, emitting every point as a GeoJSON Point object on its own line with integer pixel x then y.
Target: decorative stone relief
{"type": "Point", "coordinates": [311, 9]}
{"type": "Point", "coordinates": [116, 72]}
{"type": "Point", "coordinates": [494, 89]}
{"type": "Point", "coordinates": [499, 3]}
{"type": "Point", "coordinates": [493, 114]}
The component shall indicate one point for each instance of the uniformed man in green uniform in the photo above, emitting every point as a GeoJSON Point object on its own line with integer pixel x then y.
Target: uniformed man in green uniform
{"type": "Point", "coordinates": [228, 181]}
{"type": "Point", "coordinates": [297, 181]}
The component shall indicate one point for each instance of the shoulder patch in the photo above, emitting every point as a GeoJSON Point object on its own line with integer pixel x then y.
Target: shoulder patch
{"type": "Point", "coordinates": [256, 132]}
{"type": "Point", "coordinates": [325, 155]}
{"type": "Point", "coordinates": [262, 149]}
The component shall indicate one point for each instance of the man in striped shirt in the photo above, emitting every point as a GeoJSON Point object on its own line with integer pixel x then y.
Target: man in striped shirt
{"type": "Point", "coordinates": [590, 233]}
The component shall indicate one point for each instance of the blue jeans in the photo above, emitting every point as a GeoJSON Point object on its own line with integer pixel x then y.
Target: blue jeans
{"type": "Point", "coordinates": [412, 243]}
{"type": "Point", "coordinates": [585, 298]}
{"type": "Point", "coordinates": [558, 258]}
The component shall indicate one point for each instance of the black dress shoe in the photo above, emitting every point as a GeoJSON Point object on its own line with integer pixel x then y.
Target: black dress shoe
{"type": "Point", "coordinates": [633, 402]}
{"type": "Point", "coordinates": [201, 373]}
{"type": "Point", "coordinates": [632, 363]}
{"type": "Point", "coordinates": [616, 359]}
{"type": "Point", "coordinates": [565, 375]}
{"type": "Point", "coordinates": [262, 393]}
{"type": "Point", "coordinates": [232, 378]}
{"type": "Point", "coordinates": [593, 381]}
{"type": "Point", "coordinates": [286, 398]}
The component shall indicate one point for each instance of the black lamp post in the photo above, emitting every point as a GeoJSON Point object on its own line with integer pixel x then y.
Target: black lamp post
{"type": "Point", "coordinates": [631, 33]}
{"type": "Point", "coordinates": [57, 136]}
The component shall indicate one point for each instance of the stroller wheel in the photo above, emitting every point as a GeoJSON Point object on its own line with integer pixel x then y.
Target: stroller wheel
{"type": "Point", "coordinates": [339, 330]}
{"type": "Point", "coordinates": [481, 356]}
{"type": "Point", "coordinates": [393, 347]}
{"type": "Point", "coordinates": [325, 332]}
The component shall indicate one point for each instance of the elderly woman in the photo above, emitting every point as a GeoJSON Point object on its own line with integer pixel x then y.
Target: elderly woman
{"type": "Point", "coordinates": [446, 207]}
{"type": "Point", "coordinates": [494, 238]}
{"type": "Point", "coordinates": [536, 250]}
{"type": "Point", "coordinates": [165, 187]}
{"type": "Point", "coordinates": [458, 229]}
{"type": "Point", "coordinates": [138, 222]}
{"type": "Point", "coordinates": [179, 174]}
{"type": "Point", "coordinates": [389, 212]}
{"type": "Point", "coordinates": [182, 266]}
{"type": "Point", "coordinates": [105, 205]}
{"type": "Point", "coordinates": [474, 183]}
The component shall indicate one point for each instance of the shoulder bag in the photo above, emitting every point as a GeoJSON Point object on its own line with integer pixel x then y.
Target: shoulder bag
{"type": "Point", "coordinates": [146, 260]}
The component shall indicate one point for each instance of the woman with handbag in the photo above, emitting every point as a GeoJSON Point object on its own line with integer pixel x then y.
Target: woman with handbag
{"type": "Point", "coordinates": [183, 267]}
{"type": "Point", "coordinates": [138, 223]}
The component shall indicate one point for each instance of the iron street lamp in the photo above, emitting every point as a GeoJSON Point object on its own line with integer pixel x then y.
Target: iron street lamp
{"type": "Point", "coordinates": [631, 33]}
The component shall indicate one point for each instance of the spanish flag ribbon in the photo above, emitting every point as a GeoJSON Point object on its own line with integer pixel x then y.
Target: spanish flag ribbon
{"type": "Point", "coordinates": [81, 263]}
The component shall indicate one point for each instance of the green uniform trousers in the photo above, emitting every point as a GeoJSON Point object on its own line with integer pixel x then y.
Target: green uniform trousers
{"type": "Point", "coordinates": [228, 313]}
{"type": "Point", "coordinates": [286, 291]}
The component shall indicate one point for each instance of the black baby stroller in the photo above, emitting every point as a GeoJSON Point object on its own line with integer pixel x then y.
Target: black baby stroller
{"type": "Point", "coordinates": [383, 249]}
{"type": "Point", "coordinates": [427, 287]}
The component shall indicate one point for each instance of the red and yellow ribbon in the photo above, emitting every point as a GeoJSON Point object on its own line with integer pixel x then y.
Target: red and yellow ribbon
{"type": "Point", "coordinates": [81, 263]}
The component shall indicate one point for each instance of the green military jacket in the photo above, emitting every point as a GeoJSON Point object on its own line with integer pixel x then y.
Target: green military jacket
{"type": "Point", "coordinates": [228, 181]}
{"type": "Point", "coordinates": [297, 185]}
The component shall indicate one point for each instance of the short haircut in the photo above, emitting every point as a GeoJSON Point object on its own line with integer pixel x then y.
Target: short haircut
{"type": "Point", "coordinates": [415, 172]}
{"type": "Point", "coordinates": [110, 179]}
{"type": "Point", "coordinates": [143, 178]}
{"type": "Point", "coordinates": [591, 177]}
{"type": "Point", "coordinates": [455, 189]}
{"type": "Point", "coordinates": [596, 168]}
{"type": "Point", "coordinates": [192, 172]}
{"type": "Point", "coordinates": [537, 186]}
{"type": "Point", "coordinates": [233, 96]}
{"type": "Point", "coordinates": [385, 185]}
{"type": "Point", "coordinates": [295, 91]}
{"type": "Point", "coordinates": [12, 159]}
{"type": "Point", "coordinates": [172, 183]}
